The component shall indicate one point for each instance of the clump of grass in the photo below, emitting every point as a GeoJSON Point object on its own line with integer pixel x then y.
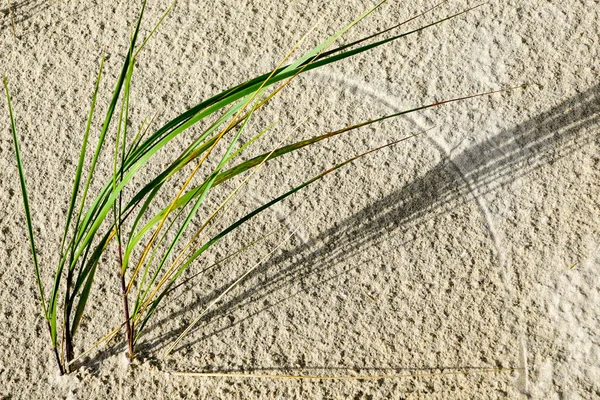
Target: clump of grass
{"type": "Point", "coordinates": [146, 274]}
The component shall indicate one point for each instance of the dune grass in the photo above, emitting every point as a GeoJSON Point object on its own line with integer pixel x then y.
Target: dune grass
{"type": "Point", "coordinates": [150, 265]}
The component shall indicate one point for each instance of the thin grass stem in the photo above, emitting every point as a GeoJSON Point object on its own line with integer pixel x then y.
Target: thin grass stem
{"type": "Point", "coordinates": [342, 377]}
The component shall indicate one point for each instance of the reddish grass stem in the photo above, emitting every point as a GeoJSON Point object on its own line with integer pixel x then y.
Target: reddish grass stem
{"type": "Point", "coordinates": [125, 306]}
{"type": "Point", "coordinates": [69, 354]}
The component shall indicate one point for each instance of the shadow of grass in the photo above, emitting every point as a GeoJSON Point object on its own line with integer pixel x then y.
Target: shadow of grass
{"type": "Point", "coordinates": [21, 11]}
{"type": "Point", "coordinates": [476, 171]}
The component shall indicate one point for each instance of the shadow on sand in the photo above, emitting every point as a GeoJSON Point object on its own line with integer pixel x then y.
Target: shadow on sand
{"type": "Point", "coordinates": [477, 170]}
{"type": "Point", "coordinates": [21, 11]}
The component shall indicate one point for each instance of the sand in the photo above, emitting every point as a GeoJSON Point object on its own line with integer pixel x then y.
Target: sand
{"type": "Point", "coordinates": [474, 247]}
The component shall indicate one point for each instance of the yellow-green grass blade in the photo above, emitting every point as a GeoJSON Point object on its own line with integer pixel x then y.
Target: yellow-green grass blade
{"type": "Point", "coordinates": [229, 96]}
{"type": "Point", "coordinates": [246, 165]}
{"type": "Point", "coordinates": [225, 158]}
{"type": "Point", "coordinates": [160, 21]}
{"type": "Point", "coordinates": [229, 256]}
{"type": "Point", "coordinates": [151, 260]}
{"type": "Point", "coordinates": [325, 44]}
{"type": "Point", "coordinates": [189, 118]}
{"type": "Point", "coordinates": [227, 290]}
{"type": "Point", "coordinates": [86, 267]}
{"type": "Point", "coordinates": [107, 121]}
{"type": "Point", "coordinates": [309, 63]}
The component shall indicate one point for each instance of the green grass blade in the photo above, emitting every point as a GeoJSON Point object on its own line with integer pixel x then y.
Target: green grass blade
{"type": "Point", "coordinates": [229, 256]}
{"type": "Point", "coordinates": [120, 147]}
{"type": "Point", "coordinates": [111, 108]}
{"type": "Point", "coordinates": [253, 162]}
{"type": "Point", "coordinates": [84, 283]}
{"type": "Point", "coordinates": [228, 96]}
{"type": "Point", "coordinates": [138, 157]}
{"type": "Point", "coordinates": [307, 63]}
{"type": "Point", "coordinates": [160, 21]}
{"type": "Point", "coordinates": [25, 201]}
{"type": "Point", "coordinates": [83, 274]}
{"type": "Point", "coordinates": [94, 217]}
{"type": "Point", "coordinates": [82, 153]}
{"type": "Point", "coordinates": [83, 298]}
{"type": "Point", "coordinates": [87, 266]}
{"type": "Point", "coordinates": [221, 100]}
{"type": "Point", "coordinates": [224, 293]}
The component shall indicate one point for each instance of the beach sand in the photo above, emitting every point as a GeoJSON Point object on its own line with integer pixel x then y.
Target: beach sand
{"type": "Point", "coordinates": [463, 262]}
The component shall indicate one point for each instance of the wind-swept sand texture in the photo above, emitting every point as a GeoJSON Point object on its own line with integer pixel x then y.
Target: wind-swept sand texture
{"type": "Point", "coordinates": [475, 246]}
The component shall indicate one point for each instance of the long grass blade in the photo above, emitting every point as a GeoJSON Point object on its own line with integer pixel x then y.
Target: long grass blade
{"type": "Point", "coordinates": [215, 173]}
{"type": "Point", "coordinates": [82, 153]}
{"type": "Point", "coordinates": [177, 263]}
{"type": "Point", "coordinates": [253, 162]}
{"type": "Point", "coordinates": [26, 205]}
{"type": "Point", "coordinates": [190, 117]}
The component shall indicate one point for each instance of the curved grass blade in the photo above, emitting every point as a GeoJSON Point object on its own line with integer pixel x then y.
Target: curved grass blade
{"type": "Point", "coordinates": [234, 122]}
{"type": "Point", "coordinates": [306, 64]}
{"type": "Point", "coordinates": [192, 213]}
{"type": "Point", "coordinates": [219, 101]}
{"type": "Point", "coordinates": [229, 256]}
{"type": "Point", "coordinates": [176, 263]}
{"type": "Point", "coordinates": [277, 75]}
{"type": "Point", "coordinates": [138, 157]}
{"type": "Point", "coordinates": [232, 227]}
{"type": "Point", "coordinates": [83, 277]}
{"type": "Point", "coordinates": [253, 162]}
{"type": "Point", "coordinates": [89, 276]}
